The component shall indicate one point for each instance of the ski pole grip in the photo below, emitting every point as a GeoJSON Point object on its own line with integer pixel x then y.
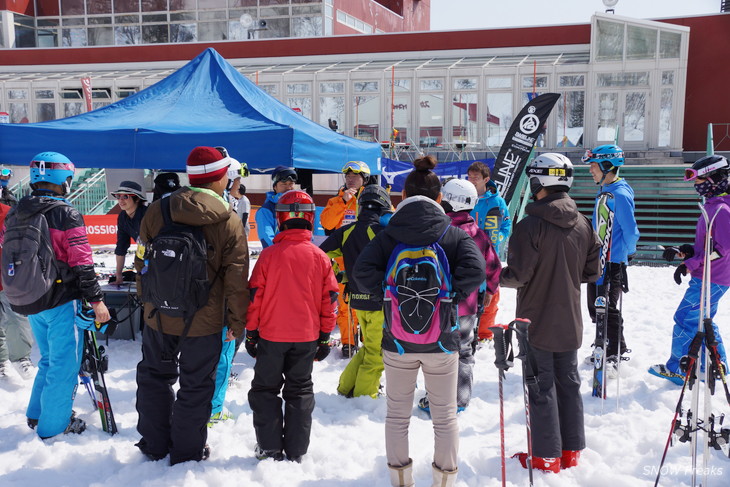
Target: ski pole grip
{"type": "Point", "coordinates": [502, 340]}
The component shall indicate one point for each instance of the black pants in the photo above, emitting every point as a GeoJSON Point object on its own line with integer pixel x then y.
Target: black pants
{"type": "Point", "coordinates": [556, 406]}
{"type": "Point", "coordinates": [615, 320]}
{"type": "Point", "coordinates": [170, 425]}
{"type": "Point", "coordinates": [288, 365]}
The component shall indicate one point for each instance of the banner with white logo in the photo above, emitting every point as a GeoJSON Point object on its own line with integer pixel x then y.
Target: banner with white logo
{"type": "Point", "coordinates": [394, 172]}
{"type": "Point", "coordinates": [520, 140]}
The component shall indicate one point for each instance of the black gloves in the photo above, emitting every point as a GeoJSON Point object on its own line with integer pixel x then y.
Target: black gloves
{"type": "Point", "coordinates": [323, 347]}
{"type": "Point", "coordinates": [681, 271]}
{"type": "Point", "coordinates": [252, 339]}
{"type": "Point", "coordinates": [670, 252]}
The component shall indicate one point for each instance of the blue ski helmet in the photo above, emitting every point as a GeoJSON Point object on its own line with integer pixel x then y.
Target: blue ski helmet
{"type": "Point", "coordinates": [52, 167]}
{"type": "Point", "coordinates": [607, 157]}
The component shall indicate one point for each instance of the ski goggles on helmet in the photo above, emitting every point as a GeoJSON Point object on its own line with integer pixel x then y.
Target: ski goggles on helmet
{"type": "Point", "coordinates": [244, 170]}
{"type": "Point", "coordinates": [5, 172]}
{"type": "Point", "coordinates": [591, 156]}
{"type": "Point", "coordinates": [285, 175]}
{"type": "Point", "coordinates": [558, 172]}
{"type": "Point", "coordinates": [690, 174]}
{"type": "Point", "coordinates": [357, 167]}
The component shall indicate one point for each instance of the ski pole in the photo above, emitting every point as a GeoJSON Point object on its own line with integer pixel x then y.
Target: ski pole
{"type": "Point", "coordinates": [503, 360]}
{"type": "Point", "coordinates": [520, 326]}
{"type": "Point", "coordinates": [694, 349]}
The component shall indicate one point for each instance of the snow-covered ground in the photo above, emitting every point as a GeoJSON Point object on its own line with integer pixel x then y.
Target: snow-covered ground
{"type": "Point", "coordinates": [624, 442]}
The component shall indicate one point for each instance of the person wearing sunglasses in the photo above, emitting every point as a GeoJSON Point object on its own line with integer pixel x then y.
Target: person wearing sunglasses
{"type": "Point", "coordinates": [133, 203]}
{"type": "Point", "coordinates": [710, 176]}
{"type": "Point", "coordinates": [6, 197]}
{"type": "Point", "coordinates": [342, 210]}
{"type": "Point", "coordinates": [605, 162]}
{"type": "Point", "coordinates": [283, 179]}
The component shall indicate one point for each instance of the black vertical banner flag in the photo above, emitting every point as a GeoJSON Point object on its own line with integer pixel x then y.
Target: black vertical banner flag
{"type": "Point", "coordinates": [519, 142]}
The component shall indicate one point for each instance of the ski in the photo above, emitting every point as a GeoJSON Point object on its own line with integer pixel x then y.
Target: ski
{"type": "Point", "coordinates": [529, 379]}
{"type": "Point", "coordinates": [605, 206]}
{"type": "Point", "coordinates": [94, 362]}
{"type": "Point", "coordinates": [705, 324]}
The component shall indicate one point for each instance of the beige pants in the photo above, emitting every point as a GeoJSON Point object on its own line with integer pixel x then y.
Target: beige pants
{"type": "Point", "coordinates": [440, 371]}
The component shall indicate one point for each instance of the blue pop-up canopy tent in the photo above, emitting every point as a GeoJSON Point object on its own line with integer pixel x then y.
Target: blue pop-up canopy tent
{"type": "Point", "coordinates": [206, 102]}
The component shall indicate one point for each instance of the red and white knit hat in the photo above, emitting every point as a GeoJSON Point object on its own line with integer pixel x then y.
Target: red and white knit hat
{"type": "Point", "coordinates": [205, 165]}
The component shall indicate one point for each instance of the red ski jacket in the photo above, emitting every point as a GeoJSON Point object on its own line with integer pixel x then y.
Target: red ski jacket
{"type": "Point", "coordinates": [293, 290]}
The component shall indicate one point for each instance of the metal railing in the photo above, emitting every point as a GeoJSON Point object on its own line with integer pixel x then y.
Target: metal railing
{"type": "Point", "coordinates": [90, 196]}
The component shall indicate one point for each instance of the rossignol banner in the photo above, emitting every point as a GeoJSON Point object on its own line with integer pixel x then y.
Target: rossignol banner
{"type": "Point", "coordinates": [394, 173]}
{"type": "Point", "coordinates": [519, 142]}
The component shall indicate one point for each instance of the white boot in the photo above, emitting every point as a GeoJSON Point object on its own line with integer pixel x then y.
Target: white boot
{"type": "Point", "coordinates": [443, 478]}
{"type": "Point", "coordinates": [402, 476]}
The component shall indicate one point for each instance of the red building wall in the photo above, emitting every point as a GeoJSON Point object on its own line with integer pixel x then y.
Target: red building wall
{"type": "Point", "coordinates": [20, 6]}
{"type": "Point", "coordinates": [708, 78]}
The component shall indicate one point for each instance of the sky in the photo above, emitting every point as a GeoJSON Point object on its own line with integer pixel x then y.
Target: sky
{"type": "Point", "coordinates": [476, 14]}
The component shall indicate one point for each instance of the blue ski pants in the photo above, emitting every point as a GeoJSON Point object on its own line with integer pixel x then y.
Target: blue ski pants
{"type": "Point", "coordinates": [686, 321]}
{"type": "Point", "coordinates": [60, 344]}
{"type": "Point", "coordinates": [222, 374]}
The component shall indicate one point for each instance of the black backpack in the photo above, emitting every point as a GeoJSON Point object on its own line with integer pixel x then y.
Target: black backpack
{"type": "Point", "coordinates": [175, 273]}
{"type": "Point", "coordinates": [30, 271]}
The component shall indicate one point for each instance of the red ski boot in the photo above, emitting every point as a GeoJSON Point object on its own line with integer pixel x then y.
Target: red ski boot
{"type": "Point", "coordinates": [569, 459]}
{"type": "Point", "coordinates": [539, 463]}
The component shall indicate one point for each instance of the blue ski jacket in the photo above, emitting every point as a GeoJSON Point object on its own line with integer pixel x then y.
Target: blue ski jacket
{"type": "Point", "coordinates": [492, 216]}
{"type": "Point", "coordinates": [266, 219]}
{"type": "Point", "coordinates": [625, 230]}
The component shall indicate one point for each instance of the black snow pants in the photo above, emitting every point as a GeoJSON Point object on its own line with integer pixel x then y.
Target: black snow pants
{"type": "Point", "coordinates": [169, 425]}
{"type": "Point", "coordinates": [289, 365]}
{"type": "Point", "coordinates": [556, 406]}
{"type": "Point", "coordinates": [615, 320]}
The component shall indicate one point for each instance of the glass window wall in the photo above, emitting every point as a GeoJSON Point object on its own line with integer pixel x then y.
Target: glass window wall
{"type": "Point", "coordinates": [431, 113]}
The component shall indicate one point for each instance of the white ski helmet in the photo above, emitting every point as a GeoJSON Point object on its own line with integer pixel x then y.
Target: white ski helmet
{"type": "Point", "coordinates": [550, 170]}
{"type": "Point", "coordinates": [460, 194]}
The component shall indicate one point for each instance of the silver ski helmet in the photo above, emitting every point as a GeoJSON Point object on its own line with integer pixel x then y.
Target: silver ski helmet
{"type": "Point", "coordinates": [550, 170]}
{"type": "Point", "coordinates": [460, 194]}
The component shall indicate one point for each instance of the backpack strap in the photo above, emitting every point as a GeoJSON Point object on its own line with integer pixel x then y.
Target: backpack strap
{"type": "Point", "coordinates": [166, 356]}
{"type": "Point", "coordinates": [166, 212]}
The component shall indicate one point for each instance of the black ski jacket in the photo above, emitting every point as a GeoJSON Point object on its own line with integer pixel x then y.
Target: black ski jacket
{"type": "Point", "coordinates": [419, 220]}
{"type": "Point", "coordinates": [551, 252]}
{"type": "Point", "coordinates": [347, 242]}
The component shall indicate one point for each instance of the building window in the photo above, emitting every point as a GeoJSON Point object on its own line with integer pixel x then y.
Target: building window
{"type": "Point", "coordinates": [623, 79]}
{"type": "Point", "coordinates": [431, 112]}
{"type": "Point", "coordinates": [570, 118]}
{"type": "Point", "coordinates": [99, 6]}
{"type": "Point", "coordinates": [332, 105]}
{"type": "Point", "coordinates": [366, 110]}
{"type": "Point", "coordinates": [401, 108]}
{"type": "Point", "coordinates": [610, 41]}
{"type": "Point", "coordinates": [74, 37]}
{"type": "Point", "coordinates": [24, 31]}
{"type": "Point", "coordinates": [126, 35]}
{"type": "Point", "coordinates": [183, 32]}
{"type": "Point", "coordinates": [669, 44]}
{"type": "Point", "coordinates": [641, 42]}
{"type": "Point", "coordinates": [665, 117]}
{"type": "Point", "coordinates": [499, 109]}
{"type": "Point", "coordinates": [300, 104]}
{"type": "Point", "coordinates": [306, 26]}
{"type": "Point", "coordinates": [464, 110]}
{"type": "Point", "coordinates": [270, 89]}
{"type": "Point", "coordinates": [72, 7]}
